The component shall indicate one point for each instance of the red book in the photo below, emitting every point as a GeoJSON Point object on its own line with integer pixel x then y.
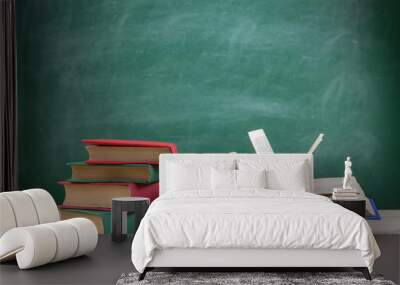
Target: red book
{"type": "Point", "coordinates": [109, 151]}
{"type": "Point", "coordinates": [98, 196]}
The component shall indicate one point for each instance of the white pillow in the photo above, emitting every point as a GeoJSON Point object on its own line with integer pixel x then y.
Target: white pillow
{"type": "Point", "coordinates": [251, 178]}
{"type": "Point", "coordinates": [223, 179]}
{"type": "Point", "coordinates": [188, 177]}
{"type": "Point", "coordinates": [293, 179]}
{"type": "Point", "coordinates": [227, 179]}
{"type": "Point", "coordinates": [193, 174]}
{"type": "Point", "coordinates": [282, 174]}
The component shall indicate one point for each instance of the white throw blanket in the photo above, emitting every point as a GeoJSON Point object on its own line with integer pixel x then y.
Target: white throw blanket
{"type": "Point", "coordinates": [250, 219]}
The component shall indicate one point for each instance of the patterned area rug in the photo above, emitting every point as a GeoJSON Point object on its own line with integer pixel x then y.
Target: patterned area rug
{"type": "Point", "coordinates": [269, 278]}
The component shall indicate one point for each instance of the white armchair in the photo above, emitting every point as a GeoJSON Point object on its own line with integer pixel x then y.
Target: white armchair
{"type": "Point", "coordinates": [31, 230]}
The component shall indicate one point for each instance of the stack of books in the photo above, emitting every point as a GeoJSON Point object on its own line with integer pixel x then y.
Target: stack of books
{"type": "Point", "coordinates": [346, 194]}
{"type": "Point", "coordinates": [115, 168]}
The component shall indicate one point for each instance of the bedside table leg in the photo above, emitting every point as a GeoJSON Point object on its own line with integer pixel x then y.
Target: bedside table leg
{"type": "Point", "coordinates": [116, 221]}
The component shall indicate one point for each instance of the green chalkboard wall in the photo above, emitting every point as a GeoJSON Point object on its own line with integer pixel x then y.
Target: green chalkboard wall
{"type": "Point", "coordinates": [203, 73]}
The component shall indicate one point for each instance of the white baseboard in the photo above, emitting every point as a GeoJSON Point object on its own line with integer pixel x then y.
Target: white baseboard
{"type": "Point", "coordinates": [389, 224]}
{"type": "Point", "coordinates": [390, 213]}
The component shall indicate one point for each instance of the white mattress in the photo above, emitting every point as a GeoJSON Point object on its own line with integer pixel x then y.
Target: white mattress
{"type": "Point", "coordinates": [252, 219]}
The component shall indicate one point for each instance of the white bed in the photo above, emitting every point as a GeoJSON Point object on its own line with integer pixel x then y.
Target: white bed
{"type": "Point", "coordinates": [248, 227]}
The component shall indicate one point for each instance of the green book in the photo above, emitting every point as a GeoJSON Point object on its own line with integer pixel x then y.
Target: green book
{"type": "Point", "coordinates": [123, 173]}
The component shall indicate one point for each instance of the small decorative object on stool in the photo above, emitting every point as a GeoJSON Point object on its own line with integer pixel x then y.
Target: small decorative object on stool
{"type": "Point", "coordinates": [121, 207]}
{"type": "Point", "coordinates": [347, 192]}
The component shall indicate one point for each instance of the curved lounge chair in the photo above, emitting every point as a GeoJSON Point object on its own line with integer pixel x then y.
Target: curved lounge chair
{"type": "Point", "coordinates": [31, 231]}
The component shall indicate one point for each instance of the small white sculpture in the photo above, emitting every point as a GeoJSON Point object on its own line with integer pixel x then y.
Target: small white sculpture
{"type": "Point", "coordinates": [348, 173]}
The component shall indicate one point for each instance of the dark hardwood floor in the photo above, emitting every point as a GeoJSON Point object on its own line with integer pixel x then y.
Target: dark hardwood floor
{"type": "Point", "coordinates": [102, 266]}
{"type": "Point", "coordinates": [110, 259]}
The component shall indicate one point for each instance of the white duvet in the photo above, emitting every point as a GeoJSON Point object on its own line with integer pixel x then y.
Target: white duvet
{"type": "Point", "coordinates": [250, 219]}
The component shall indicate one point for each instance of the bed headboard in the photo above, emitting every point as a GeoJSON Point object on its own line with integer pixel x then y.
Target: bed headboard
{"type": "Point", "coordinates": [165, 159]}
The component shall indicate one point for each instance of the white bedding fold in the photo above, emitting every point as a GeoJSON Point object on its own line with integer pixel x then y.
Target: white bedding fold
{"type": "Point", "coordinates": [250, 219]}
